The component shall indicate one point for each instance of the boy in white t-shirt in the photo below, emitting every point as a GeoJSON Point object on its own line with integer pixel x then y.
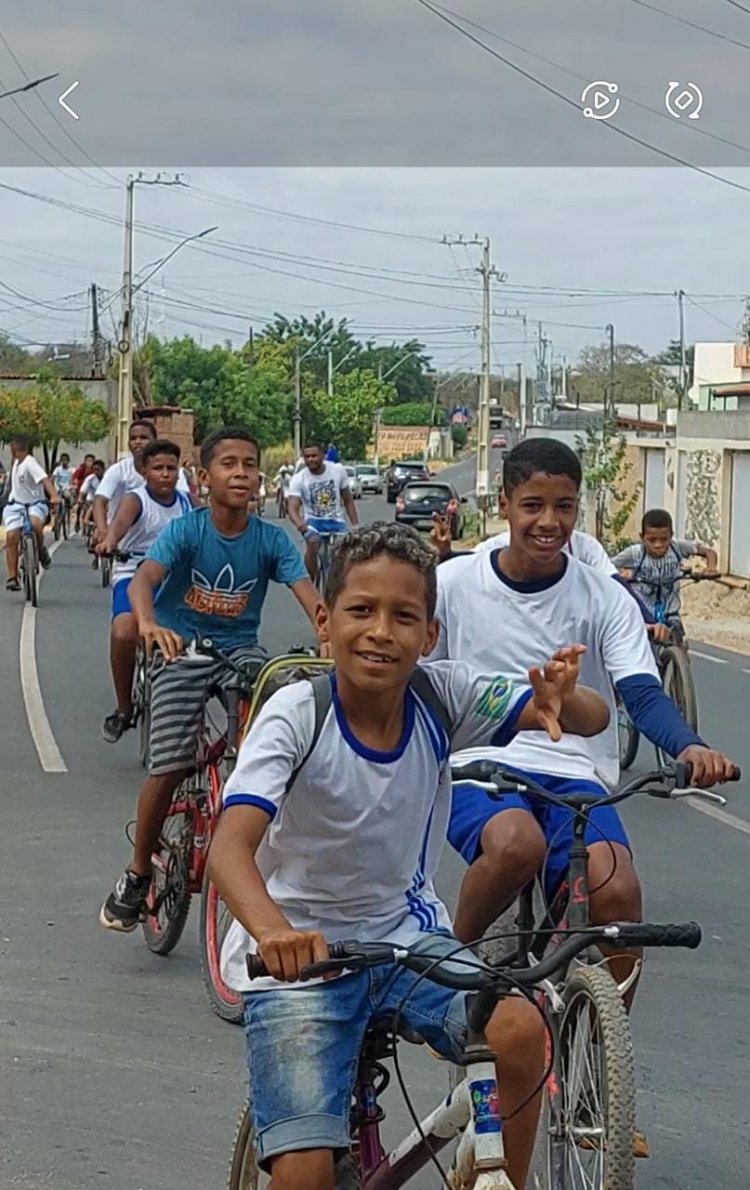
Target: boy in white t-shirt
{"type": "Point", "coordinates": [318, 497]}
{"type": "Point", "coordinates": [327, 838]}
{"type": "Point", "coordinates": [30, 485]}
{"type": "Point", "coordinates": [507, 606]}
{"type": "Point", "coordinates": [125, 476]}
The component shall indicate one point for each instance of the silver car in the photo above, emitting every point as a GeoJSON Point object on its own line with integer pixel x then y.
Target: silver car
{"type": "Point", "coordinates": [370, 479]}
{"type": "Point", "coordinates": [354, 481]}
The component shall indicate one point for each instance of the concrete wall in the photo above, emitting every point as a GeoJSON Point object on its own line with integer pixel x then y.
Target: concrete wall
{"type": "Point", "coordinates": [714, 364]}
{"type": "Point", "coordinates": [730, 426]}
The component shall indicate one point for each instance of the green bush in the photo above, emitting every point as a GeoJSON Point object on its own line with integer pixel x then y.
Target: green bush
{"type": "Point", "coordinates": [460, 435]}
{"type": "Point", "coordinates": [411, 414]}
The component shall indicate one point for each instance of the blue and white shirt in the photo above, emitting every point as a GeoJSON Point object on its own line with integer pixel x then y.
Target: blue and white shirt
{"type": "Point", "coordinates": [354, 842]}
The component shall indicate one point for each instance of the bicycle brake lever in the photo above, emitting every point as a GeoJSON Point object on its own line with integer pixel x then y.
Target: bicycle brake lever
{"type": "Point", "coordinates": [706, 795]}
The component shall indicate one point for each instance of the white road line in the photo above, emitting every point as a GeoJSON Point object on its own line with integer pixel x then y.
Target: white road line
{"type": "Point", "coordinates": [746, 671]}
{"type": "Point", "coordinates": [708, 657]}
{"type": "Point", "coordinates": [45, 743]}
{"type": "Point", "coordinates": [738, 824]}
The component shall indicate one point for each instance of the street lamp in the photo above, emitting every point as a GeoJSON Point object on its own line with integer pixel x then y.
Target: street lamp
{"type": "Point", "coordinates": [159, 264]}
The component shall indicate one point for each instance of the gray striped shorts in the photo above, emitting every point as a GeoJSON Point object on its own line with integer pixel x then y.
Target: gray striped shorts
{"type": "Point", "coordinates": [179, 692]}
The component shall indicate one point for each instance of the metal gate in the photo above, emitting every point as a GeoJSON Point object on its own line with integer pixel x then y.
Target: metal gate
{"type": "Point", "coordinates": [653, 479]}
{"type": "Point", "coordinates": [739, 525]}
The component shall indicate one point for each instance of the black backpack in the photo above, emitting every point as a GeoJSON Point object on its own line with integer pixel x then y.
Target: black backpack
{"type": "Point", "coordinates": [419, 683]}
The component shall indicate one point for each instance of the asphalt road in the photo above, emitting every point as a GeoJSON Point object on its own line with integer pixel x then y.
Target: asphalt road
{"type": "Point", "coordinates": [114, 1071]}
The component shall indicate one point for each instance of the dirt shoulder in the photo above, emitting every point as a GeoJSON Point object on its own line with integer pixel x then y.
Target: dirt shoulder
{"type": "Point", "coordinates": [717, 615]}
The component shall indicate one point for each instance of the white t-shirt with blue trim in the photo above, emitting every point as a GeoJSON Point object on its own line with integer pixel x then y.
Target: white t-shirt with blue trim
{"type": "Point", "coordinates": [354, 843]}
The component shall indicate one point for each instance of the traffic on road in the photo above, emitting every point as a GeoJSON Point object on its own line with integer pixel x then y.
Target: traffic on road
{"type": "Point", "coordinates": [325, 767]}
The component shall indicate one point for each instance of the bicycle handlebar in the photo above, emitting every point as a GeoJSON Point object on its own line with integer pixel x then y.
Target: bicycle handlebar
{"type": "Point", "coordinates": [664, 783]}
{"type": "Point", "coordinates": [357, 956]}
{"type": "Point", "coordinates": [116, 555]}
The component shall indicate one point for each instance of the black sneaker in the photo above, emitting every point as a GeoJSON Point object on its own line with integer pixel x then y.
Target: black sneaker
{"type": "Point", "coordinates": [115, 725]}
{"type": "Point", "coordinates": [44, 558]}
{"type": "Point", "coordinates": [12, 585]}
{"type": "Point", "coordinates": [124, 906]}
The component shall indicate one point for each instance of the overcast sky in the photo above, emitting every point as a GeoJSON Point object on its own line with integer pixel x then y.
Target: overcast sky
{"type": "Point", "coordinates": [373, 82]}
{"type": "Point", "coordinates": [554, 233]}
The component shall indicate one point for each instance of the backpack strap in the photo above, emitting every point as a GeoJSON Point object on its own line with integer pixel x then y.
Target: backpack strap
{"type": "Point", "coordinates": [321, 684]}
{"type": "Point", "coordinates": [422, 686]}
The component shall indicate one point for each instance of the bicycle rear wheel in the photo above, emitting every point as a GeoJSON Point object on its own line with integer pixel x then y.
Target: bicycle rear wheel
{"type": "Point", "coordinates": [214, 924]}
{"type": "Point", "coordinates": [588, 1122]}
{"type": "Point", "coordinates": [677, 680]}
{"type": "Point", "coordinates": [168, 901]}
{"type": "Point", "coordinates": [30, 569]}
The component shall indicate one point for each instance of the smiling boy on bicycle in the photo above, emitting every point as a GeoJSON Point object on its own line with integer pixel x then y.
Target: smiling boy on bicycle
{"type": "Point", "coordinates": [319, 494]}
{"type": "Point", "coordinates": [333, 826]}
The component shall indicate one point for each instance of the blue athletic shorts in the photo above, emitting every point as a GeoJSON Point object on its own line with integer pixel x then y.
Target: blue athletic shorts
{"type": "Point", "coordinates": [303, 1046]}
{"type": "Point", "coordinates": [120, 600]}
{"type": "Point", "coordinates": [318, 525]}
{"type": "Point", "coordinates": [473, 806]}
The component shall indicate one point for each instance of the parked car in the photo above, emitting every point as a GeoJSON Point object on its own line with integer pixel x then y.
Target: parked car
{"type": "Point", "coordinates": [417, 503]}
{"type": "Point", "coordinates": [400, 474]}
{"type": "Point", "coordinates": [370, 479]}
{"type": "Point", "coordinates": [354, 480]}
{"type": "Point", "coordinates": [499, 442]}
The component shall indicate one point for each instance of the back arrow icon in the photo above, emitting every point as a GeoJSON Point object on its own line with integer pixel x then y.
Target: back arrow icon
{"type": "Point", "coordinates": [64, 96]}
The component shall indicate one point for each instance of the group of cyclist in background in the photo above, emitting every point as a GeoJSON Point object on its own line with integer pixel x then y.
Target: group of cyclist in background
{"type": "Point", "coordinates": [525, 642]}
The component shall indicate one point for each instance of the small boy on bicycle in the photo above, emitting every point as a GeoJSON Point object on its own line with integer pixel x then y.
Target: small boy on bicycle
{"type": "Point", "coordinates": [339, 834]}
{"type": "Point", "coordinates": [654, 566]}
{"type": "Point", "coordinates": [319, 495]}
{"type": "Point", "coordinates": [211, 569]}
{"type": "Point", "coordinates": [31, 486]}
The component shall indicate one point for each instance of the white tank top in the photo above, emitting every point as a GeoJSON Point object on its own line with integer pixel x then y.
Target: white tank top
{"type": "Point", "coordinates": [144, 531]}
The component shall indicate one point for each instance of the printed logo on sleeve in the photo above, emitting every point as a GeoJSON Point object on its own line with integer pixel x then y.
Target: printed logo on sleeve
{"type": "Point", "coordinates": [496, 699]}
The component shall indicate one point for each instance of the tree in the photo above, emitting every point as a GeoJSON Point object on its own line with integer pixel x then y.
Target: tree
{"type": "Point", "coordinates": [459, 435]}
{"type": "Point", "coordinates": [671, 358]}
{"type": "Point", "coordinates": [605, 473]}
{"type": "Point", "coordinates": [412, 414]}
{"type": "Point", "coordinates": [51, 411]}
{"type": "Point", "coordinates": [347, 416]}
{"type": "Point", "coordinates": [306, 334]}
{"type": "Point", "coordinates": [637, 376]}
{"type": "Point", "coordinates": [409, 365]}
{"type": "Point", "coordinates": [221, 386]}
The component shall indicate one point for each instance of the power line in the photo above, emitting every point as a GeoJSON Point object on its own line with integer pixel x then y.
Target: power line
{"type": "Point", "coordinates": [654, 111]}
{"type": "Point", "coordinates": [612, 128]}
{"type": "Point", "coordinates": [736, 4]}
{"type": "Point", "coordinates": [743, 45]}
{"type": "Point", "coordinates": [60, 124]}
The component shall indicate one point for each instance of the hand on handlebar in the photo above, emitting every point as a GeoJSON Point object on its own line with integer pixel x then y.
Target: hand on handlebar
{"type": "Point", "coordinates": [286, 952]}
{"type": "Point", "coordinates": [707, 767]}
{"type": "Point", "coordinates": [440, 535]}
{"type": "Point", "coordinates": [169, 642]}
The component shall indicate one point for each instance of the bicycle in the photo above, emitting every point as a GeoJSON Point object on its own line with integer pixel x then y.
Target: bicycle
{"type": "Point", "coordinates": [591, 1049]}
{"type": "Point", "coordinates": [28, 558]}
{"type": "Point", "coordinates": [61, 521]}
{"type": "Point", "coordinates": [673, 662]}
{"type": "Point", "coordinates": [141, 702]}
{"type": "Point", "coordinates": [470, 1112]}
{"type": "Point", "coordinates": [328, 544]}
{"type": "Point", "coordinates": [281, 503]}
{"type": "Point", "coordinates": [179, 863]}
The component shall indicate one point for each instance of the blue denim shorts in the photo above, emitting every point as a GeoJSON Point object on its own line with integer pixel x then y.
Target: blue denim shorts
{"type": "Point", "coordinates": [472, 807]}
{"type": "Point", "coordinates": [303, 1047]}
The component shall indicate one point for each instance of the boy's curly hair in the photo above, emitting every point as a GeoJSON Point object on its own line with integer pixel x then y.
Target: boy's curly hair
{"type": "Point", "coordinates": [383, 537]}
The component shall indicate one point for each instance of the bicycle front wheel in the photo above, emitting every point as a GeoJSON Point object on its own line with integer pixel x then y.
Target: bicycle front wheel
{"type": "Point", "coordinates": [589, 1121]}
{"type": "Point", "coordinates": [30, 570]}
{"type": "Point", "coordinates": [215, 922]}
{"type": "Point", "coordinates": [628, 736]}
{"type": "Point", "coordinates": [168, 899]}
{"type": "Point", "coordinates": [677, 680]}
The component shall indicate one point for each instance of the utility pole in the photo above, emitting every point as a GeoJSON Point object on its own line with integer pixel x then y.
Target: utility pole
{"type": "Point", "coordinates": [683, 359]}
{"type": "Point", "coordinates": [330, 372]}
{"type": "Point", "coordinates": [96, 338]}
{"type": "Point", "coordinates": [297, 418]}
{"type": "Point", "coordinates": [125, 343]}
{"type": "Point", "coordinates": [610, 404]}
{"type": "Point", "coordinates": [487, 271]}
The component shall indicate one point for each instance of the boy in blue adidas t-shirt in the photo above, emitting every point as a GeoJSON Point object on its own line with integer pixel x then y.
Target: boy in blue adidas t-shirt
{"type": "Point", "coordinates": [339, 836]}
{"type": "Point", "coordinates": [211, 568]}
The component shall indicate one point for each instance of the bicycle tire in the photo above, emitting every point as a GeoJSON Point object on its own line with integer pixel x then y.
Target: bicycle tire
{"type": "Point", "coordinates": [629, 737]}
{"type": "Point", "coordinates": [106, 566]}
{"type": "Point", "coordinates": [677, 680]}
{"type": "Point", "coordinates": [66, 523]}
{"type": "Point", "coordinates": [226, 1004]}
{"type": "Point", "coordinates": [243, 1167]}
{"type": "Point", "coordinates": [57, 525]}
{"type": "Point", "coordinates": [30, 565]}
{"type": "Point", "coordinates": [142, 706]}
{"type": "Point", "coordinates": [162, 930]}
{"type": "Point", "coordinates": [594, 1016]}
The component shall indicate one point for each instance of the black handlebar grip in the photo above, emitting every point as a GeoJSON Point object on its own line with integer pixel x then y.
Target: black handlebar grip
{"type": "Point", "coordinates": [478, 770]}
{"type": "Point", "coordinates": [687, 934]}
{"type": "Point", "coordinates": [684, 775]}
{"type": "Point", "coordinates": [256, 968]}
